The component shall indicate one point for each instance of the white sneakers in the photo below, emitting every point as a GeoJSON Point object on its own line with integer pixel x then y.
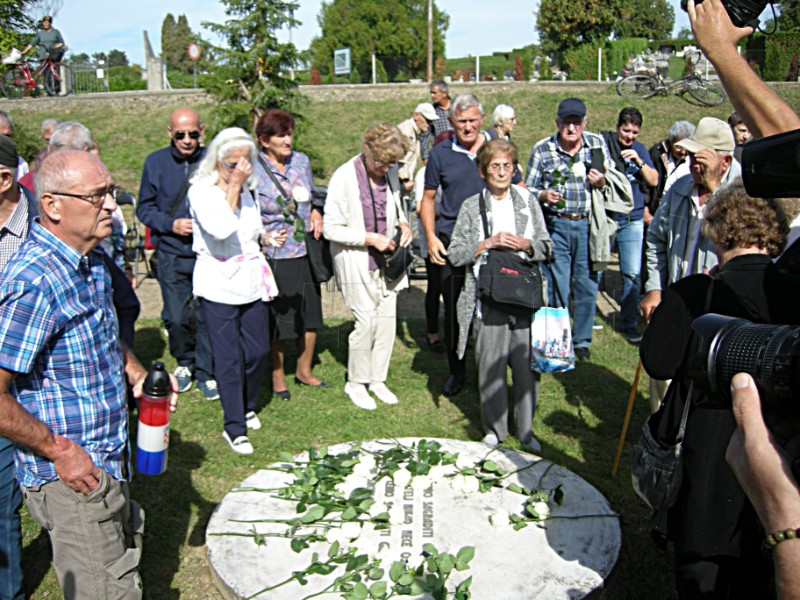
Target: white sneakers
{"type": "Point", "coordinates": [357, 392]}
{"type": "Point", "coordinates": [252, 421]}
{"type": "Point", "coordinates": [382, 393]}
{"type": "Point", "coordinates": [490, 439]}
{"type": "Point", "coordinates": [241, 445]}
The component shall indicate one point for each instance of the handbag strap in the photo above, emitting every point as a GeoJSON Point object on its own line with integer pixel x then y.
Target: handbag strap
{"type": "Point", "coordinates": [484, 218]}
{"type": "Point", "coordinates": [286, 201]}
{"type": "Point", "coordinates": [372, 196]}
{"type": "Point", "coordinates": [685, 414]}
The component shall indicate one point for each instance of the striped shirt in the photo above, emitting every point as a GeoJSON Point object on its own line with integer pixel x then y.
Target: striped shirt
{"type": "Point", "coordinates": [547, 158]}
{"type": "Point", "coordinates": [58, 333]}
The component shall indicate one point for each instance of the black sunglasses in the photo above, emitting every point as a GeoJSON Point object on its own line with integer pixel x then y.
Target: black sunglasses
{"type": "Point", "coordinates": [179, 135]}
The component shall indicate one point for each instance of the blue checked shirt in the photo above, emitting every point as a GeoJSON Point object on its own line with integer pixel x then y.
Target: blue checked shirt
{"type": "Point", "coordinates": [548, 157]}
{"type": "Point", "coordinates": [58, 333]}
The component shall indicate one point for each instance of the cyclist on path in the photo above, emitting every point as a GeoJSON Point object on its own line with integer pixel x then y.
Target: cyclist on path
{"type": "Point", "coordinates": [47, 41]}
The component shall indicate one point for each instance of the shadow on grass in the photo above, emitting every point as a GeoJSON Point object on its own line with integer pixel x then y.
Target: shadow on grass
{"type": "Point", "coordinates": [36, 557]}
{"type": "Point", "coordinates": [150, 345]}
{"type": "Point", "coordinates": [169, 501]}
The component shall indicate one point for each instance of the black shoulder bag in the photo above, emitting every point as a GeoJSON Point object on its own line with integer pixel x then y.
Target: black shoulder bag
{"type": "Point", "coordinates": [393, 263]}
{"type": "Point", "coordinates": [657, 468]}
{"type": "Point", "coordinates": [506, 281]}
{"type": "Point", "coordinates": [318, 250]}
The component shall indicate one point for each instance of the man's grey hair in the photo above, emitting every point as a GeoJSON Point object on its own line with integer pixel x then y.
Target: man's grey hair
{"type": "Point", "coordinates": [5, 119]}
{"type": "Point", "coordinates": [57, 171]}
{"type": "Point", "coordinates": [680, 130]}
{"type": "Point", "coordinates": [501, 114]}
{"type": "Point", "coordinates": [440, 85]}
{"type": "Point", "coordinates": [464, 102]}
{"type": "Point", "coordinates": [49, 124]}
{"type": "Point", "coordinates": [71, 134]}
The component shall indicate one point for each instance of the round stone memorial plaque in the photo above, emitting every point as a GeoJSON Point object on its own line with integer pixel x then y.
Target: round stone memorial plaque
{"type": "Point", "coordinates": [566, 553]}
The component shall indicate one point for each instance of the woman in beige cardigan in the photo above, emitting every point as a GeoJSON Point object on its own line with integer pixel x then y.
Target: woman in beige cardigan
{"type": "Point", "coordinates": [362, 212]}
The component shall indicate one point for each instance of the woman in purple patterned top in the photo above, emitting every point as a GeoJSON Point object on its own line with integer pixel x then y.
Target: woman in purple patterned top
{"type": "Point", "coordinates": [284, 194]}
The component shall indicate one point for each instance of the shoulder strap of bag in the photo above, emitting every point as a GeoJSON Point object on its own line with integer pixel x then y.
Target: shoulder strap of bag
{"type": "Point", "coordinates": [286, 200]}
{"type": "Point", "coordinates": [484, 219]}
{"type": "Point", "coordinates": [685, 414]}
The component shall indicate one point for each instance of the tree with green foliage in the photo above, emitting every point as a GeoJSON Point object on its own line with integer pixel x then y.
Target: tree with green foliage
{"type": "Point", "coordinates": [175, 39]}
{"type": "Point", "coordinates": [81, 58]}
{"type": "Point", "coordinates": [685, 33]}
{"type": "Point", "coordinates": [118, 58]}
{"type": "Point", "coordinates": [566, 24]}
{"type": "Point", "coordinates": [15, 24]}
{"type": "Point", "coordinates": [789, 15]}
{"type": "Point", "coordinates": [394, 31]}
{"type": "Point", "coordinates": [650, 19]}
{"type": "Point", "coordinates": [100, 58]}
{"type": "Point", "coordinates": [255, 67]}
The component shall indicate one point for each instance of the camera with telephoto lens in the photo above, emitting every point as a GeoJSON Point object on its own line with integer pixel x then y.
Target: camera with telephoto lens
{"type": "Point", "coordinates": [770, 354]}
{"type": "Point", "coordinates": [741, 12]}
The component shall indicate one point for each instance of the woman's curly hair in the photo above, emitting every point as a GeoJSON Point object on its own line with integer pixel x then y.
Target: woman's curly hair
{"type": "Point", "coordinates": [735, 220]}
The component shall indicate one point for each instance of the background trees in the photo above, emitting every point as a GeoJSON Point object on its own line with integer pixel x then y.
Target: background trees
{"type": "Point", "coordinates": [255, 66]}
{"type": "Point", "coordinates": [396, 32]}
{"type": "Point", "coordinates": [565, 24]}
{"type": "Point", "coordinates": [175, 39]}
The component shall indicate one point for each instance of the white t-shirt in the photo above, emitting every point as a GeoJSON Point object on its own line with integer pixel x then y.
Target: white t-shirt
{"type": "Point", "coordinates": [503, 215]}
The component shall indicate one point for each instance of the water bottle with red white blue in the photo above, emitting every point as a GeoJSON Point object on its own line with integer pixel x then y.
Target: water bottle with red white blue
{"type": "Point", "coordinates": [152, 439]}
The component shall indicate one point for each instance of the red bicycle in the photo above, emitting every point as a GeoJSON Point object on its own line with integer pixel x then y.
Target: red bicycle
{"type": "Point", "coordinates": [52, 78]}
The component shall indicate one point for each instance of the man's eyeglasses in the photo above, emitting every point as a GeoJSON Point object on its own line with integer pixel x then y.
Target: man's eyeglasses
{"type": "Point", "coordinates": [496, 167]}
{"type": "Point", "coordinates": [179, 135]}
{"type": "Point", "coordinates": [96, 198]}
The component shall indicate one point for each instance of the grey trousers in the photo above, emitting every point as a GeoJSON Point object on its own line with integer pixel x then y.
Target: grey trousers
{"type": "Point", "coordinates": [503, 341]}
{"type": "Point", "coordinates": [96, 539]}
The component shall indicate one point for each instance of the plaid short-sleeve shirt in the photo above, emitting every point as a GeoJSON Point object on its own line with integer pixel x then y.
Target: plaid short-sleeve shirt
{"type": "Point", "coordinates": [59, 334]}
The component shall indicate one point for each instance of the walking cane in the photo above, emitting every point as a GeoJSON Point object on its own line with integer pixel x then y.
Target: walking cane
{"type": "Point", "coordinates": [625, 423]}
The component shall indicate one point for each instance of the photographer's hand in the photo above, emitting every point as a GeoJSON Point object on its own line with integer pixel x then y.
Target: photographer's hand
{"type": "Point", "coordinates": [762, 468]}
{"type": "Point", "coordinates": [760, 108]}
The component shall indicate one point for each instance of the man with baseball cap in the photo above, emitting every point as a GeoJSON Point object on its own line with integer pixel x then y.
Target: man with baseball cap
{"type": "Point", "coordinates": [674, 246]}
{"type": "Point", "coordinates": [413, 128]}
{"type": "Point", "coordinates": [561, 175]}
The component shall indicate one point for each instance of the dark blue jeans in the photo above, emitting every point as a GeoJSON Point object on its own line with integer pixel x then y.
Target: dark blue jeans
{"type": "Point", "coordinates": [629, 245]}
{"type": "Point", "coordinates": [10, 533]}
{"type": "Point", "coordinates": [188, 339]}
{"type": "Point", "coordinates": [572, 270]}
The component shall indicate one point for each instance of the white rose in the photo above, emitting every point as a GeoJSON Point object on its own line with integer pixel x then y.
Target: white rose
{"type": "Point", "coordinates": [466, 484]}
{"type": "Point", "coordinates": [415, 561]}
{"type": "Point", "coordinates": [363, 470]}
{"type": "Point", "coordinates": [401, 478]}
{"type": "Point", "coordinates": [464, 462]}
{"type": "Point", "coordinates": [334, 535]}
{"type": "Point", "coordinates": [351, 530]}
{"type": "Point", "coordinates": [500, 519]}
{"type": "Point", "coordinates": [579, 170]}
{"type": "Point", "coordinates": [421, 482]}
{"type": "Point", "coordinates": [397, 516]}
{"type": "Point", "coordinates": [542, 509]}
{"type": "Point", "coordinates": [301, 194]}
{"type": "Point", "coordinates": [377, 508]}
{"type": "Point", "coordinates": [368, 459]}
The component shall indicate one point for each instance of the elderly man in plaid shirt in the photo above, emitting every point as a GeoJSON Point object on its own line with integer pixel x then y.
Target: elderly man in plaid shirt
{"type": "Point", "coordinates": [62, 383]}
{"type": "Point", "coordinates": [561, 176]}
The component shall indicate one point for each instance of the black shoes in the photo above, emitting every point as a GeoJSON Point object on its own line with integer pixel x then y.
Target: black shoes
{"type": "Point", "coordinates": [633, 336]}
{"type": "Point", "coordinates": [436, 346]}
{"type": "Point", "coordinates": [284, 395]}
{"type": "Point", "coordinates": [582, 353]}
{"type": "Point", "coordinates": [453, 385]}
{"type": "Point", "coordinates": [322, 385]}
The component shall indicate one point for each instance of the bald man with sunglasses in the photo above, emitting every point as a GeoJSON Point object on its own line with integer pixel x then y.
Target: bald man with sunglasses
{"type": "Point", "coordinates": [164, 208]}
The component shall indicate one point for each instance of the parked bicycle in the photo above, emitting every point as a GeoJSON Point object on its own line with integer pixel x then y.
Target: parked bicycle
{"type": "Point", "coordinates": [18, 79]}
{"type": "Point", "coordinates": [642, 86]}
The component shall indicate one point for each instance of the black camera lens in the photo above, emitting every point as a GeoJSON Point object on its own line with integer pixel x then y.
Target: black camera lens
{"type": "Point", "coordinates": [767, 352]}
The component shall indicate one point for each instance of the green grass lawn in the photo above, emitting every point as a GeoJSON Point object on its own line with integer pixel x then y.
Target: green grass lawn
{"type": "Point", "coordinates": [579, 416]}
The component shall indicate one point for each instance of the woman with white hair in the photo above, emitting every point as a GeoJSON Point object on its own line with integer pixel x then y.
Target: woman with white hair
{"type": "Point", "coordinates": [503, 121]}
{"type": "Point", "coordinates": [232, 278]}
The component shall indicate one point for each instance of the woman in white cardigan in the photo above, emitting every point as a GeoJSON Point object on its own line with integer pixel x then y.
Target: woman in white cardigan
{"type": "Point", "coordinates": [362, 215]}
